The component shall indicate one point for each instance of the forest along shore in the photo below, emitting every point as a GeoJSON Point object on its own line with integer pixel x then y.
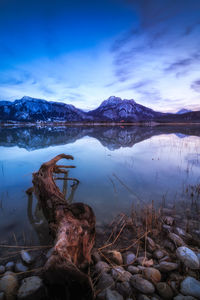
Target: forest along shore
{"type": "Point", "coordinates": [147, 255]}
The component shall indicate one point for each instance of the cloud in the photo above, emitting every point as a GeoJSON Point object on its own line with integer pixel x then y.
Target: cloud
{"type": "Point", "coordinates": [196, 86]}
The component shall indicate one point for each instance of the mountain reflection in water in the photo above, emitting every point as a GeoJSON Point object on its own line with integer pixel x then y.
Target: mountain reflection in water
{"type": "Point", "coordinates": [118, 167]}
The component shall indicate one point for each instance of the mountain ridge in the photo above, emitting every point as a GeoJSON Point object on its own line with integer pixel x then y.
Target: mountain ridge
{"type": "Point", "coordinates": [112, 110]}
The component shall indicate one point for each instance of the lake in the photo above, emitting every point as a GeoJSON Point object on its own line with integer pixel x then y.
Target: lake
{"type": "Point", "coordinates": [118, 168]}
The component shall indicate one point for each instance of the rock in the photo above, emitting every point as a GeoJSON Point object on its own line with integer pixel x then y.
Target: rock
{"type": "Point", "coordinates": [2, 296]}
{"type": "Point", "coordinates": [96, 257]}
{"type": "Point", "coordinates": [10, 266]}
{"type": "Point", "coordinates": [181, 232]}
{"type": "Point", "coordinates": [105, 281]}
{"type": "Point", "coordinates": [176, 276]}
{"type": "Point", "coordinates": [124, 289]}
{"type": "Point", "coordinates": [143, 297]}
{"type": "Point", "coordinates": [167, 211]}
{"type": "Point", "coordinates": [115, 256]}
{"type": "Point", "coordinates": [176, 239]}
{"type": "Point", "coordinates": [164, 290]}
{"type": "Point", "coordinates": [101, 295]}
{"type": "Point", "coordinates": [190, 287]}
{"type": "Point", "coordinates": [169, 245]}
{"type": "Point", "coordinates": [19, 267]}
{"type": "Point", "coordinates": [113, 295]}
{"type": "Point", "coordinates": [31, 288]}
{"type": "Point", "coordinates": [129, 258]}
{"type": "Point", "coordinates": [158, 254]}
{"type": "Point", "coordinates": [188, 257]}
{"type": "Point", "coordinates": [9, 285]}
{"type": "Point", "coordinates": [26, 257]}
{"type": "Point", "coordinates": [152, 275]}
{"type": "Point", "coordinates": [151, 246]}
{"type": "Point", "coordinates": [167, 228]}
{"type": "Point", "coordinates": [181, 297]}
{"type": "Point", "coordinates": [168, 220]}
{"type": "Point", "coordinates": [101, 267]}
{"type": "Point", "coordinates": [133, 270]}
{"type": "Point", "coordinates": [2, 269]}
{"type": "Point", "coordinates": [167, 266]}
{"type": "Point", "coordinates": [165, 258]}
{"type": "Point", "coordinates": [119, 274]}
{"type": "Point", "coordinates": [142, 285]}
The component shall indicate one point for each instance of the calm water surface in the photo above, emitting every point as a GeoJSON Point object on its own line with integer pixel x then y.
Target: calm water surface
{"type": "Point", "coordinates": [117, 168]}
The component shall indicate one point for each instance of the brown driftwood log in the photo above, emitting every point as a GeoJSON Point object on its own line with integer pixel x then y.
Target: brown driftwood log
{"type": "Point", "coordinates": [73, 229]}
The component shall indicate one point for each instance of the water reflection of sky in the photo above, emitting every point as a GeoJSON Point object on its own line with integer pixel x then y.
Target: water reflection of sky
{"type": "Point", "coordinates": [111, 180]}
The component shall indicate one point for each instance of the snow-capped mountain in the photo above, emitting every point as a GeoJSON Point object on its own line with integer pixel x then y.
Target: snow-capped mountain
{"type": "Point", "coordinates": [115, 109]}
{"type": "Point", "coordinates": [30, 109]}
{"type": "Point", "coordinates": [183, 111]}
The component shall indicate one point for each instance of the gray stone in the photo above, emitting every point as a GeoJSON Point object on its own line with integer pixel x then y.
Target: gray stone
{"type": "Point", "coordinates": [151, 246]}
{"type": "Point", "coordinates": [176, 239]}
{"type": "Point", "coordinates": [119, 274]}
{"type": "Point", "coordinates": [143, 297]}
{"type": "Point", "coordinates": [102, 267]}
{"type": "Point", "coordinates": [168, 220]}
{"type": "Point", "coordinates": [142, 285]}
{"type": "Point", "coordinates": [31, 288]}
{"type": "Point", "coordinates": [124, 289]}
{"type": "Point", "coordinates": [26, 257]}
{"type": "Point", "coordinates": [113, 295]}
{"type": "Point", "coordinates": [164, 290]}
{"type": "Point", "coordinates": [169, 245]}
{"type": "Point", "coordinates": [105, 281]}
{"type": "Point", "coordinates": [190, 287]}
{"type": "Point", "coordinates": [188, 257]}
{"type": "Point", "coordinates": [167, 266]}
{"type": "Point", "coordinates": [9, 285]}
{"type": "Point", "coordinates": [10, 266]}
{"type": "Point", "coordinates": [181, 297]}
{"type": "Point", "coordinates": [129, 258]}
{"type": "Point", "coordinates": [2, 269]}
{"type": "Point", "coordinates": [158, 254]}
{"type": "Point", "coordinates": [101, 295]}
{"type": "Point", "coordinates": [133, 269]}
{"type": "Point", "coordinates": [19, 267]}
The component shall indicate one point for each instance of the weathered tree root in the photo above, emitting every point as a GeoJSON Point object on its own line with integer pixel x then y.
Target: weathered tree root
{"type": "Point", "coordinates": [73, 229]}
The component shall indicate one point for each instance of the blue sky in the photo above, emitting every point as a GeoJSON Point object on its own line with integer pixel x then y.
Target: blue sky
{"type": "Point", "coordinates": [82, 52]}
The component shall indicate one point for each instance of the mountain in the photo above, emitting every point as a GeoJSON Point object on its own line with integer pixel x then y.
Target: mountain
{"type": "Point", "coordinates": [183, 111]}
{"type": "Point", "coordinates": [31, 110]}
{"type": "Point", "coordinates": [113, 109]}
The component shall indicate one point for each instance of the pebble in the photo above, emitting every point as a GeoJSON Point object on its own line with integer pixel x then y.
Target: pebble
{"type": "Point", "coordinates": [31, 288]}
{"type": "Point", "coordinates": [151, 246]}
{"type": "Point", "coordinates": [2, 269]}
{"type": "Point", "coordinates": [181, 297]}
{"type": "Point", "coordinates": [158, 254]}
{"type": "Point", "coordinates": [169, 245]}
{"type": "Point", "coordinates": [143, 297]}
{"type": "Point", "coordinates": [119, 274]}
{"type": "Point", "coordinates": [113, 295]}
{"type": "Point", "coordinates": [133, 269]}
{"type": "Point", "coordinates": [167, 266]}
{"type": "Point", "coordinates": [105, 281]}
{"type": "Point", "coordinates": [129, 258]}
{"type": "Point", "coordinates": [178, 241]}
{"type": "Point", "coordinates": [26, 257]}
{"type": "Point", "coordinates": [115, 256]}
{"type": "Point", "coordinates": [19, 267]}
{"type": "Point", "coordinates": [164, 290]}
{"type": "Point", "coordinates": [142, 285]}
{"type": "Point", "coordinates": [102, 267]}
{"type": "Point", "coordinates": [168, 220]}
{"type": "Point", "coordinates": [124, 289]}
{"type": "Point", "coordinates": [152, 275]}
{"type": "Point", "coordinates": [188, 257]}
{"type": "Point", "coordinates": [10, 266]}
{"type": "Point", "coordinates": [9, 285]}
{"type": "Point", "coordinates": [190, 287]}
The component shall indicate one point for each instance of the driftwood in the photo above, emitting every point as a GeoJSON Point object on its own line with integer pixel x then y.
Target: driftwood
{"type": "Point", "coordinates": [73, 229]}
